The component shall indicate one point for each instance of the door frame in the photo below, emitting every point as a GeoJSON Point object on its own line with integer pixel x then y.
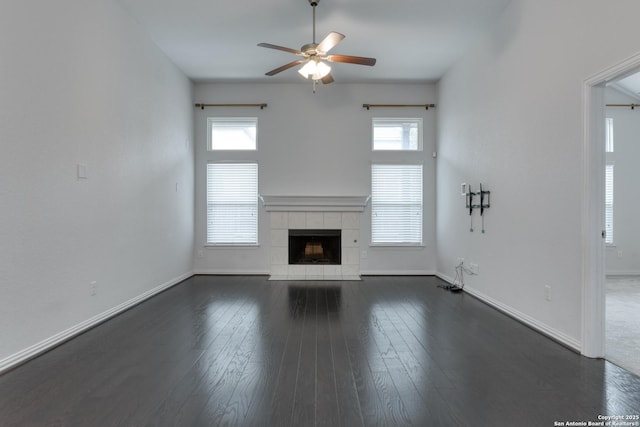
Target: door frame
{"type": "Point", "coordinates": [593, 295]}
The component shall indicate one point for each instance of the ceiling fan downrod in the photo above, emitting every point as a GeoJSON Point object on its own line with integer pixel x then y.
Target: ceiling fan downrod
{"type": "Point", "coordinates": [313, 4]}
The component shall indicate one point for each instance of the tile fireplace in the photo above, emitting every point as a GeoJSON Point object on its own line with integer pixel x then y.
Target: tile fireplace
{"type": "Point", "coordinates": [325, 233]}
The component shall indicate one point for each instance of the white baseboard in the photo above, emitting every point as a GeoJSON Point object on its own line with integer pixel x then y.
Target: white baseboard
{"type": "Point", "coordinates": [216, 272]}
{"type": "Point", "coordinates": [445, 278]}
{"type": "Point", "coordinates": [59, 338]}
{"type": "Point", "coordinates": [544, 329]}
{"type": "Point", "coordinates": [398, 273]}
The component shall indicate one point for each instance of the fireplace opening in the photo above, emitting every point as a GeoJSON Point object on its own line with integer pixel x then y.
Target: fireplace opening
{"type": "Point", "coordinates": [315, 247]}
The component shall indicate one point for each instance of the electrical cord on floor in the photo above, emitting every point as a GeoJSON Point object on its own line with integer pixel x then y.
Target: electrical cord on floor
{"type": "Point", "coordinates": [458, 282]}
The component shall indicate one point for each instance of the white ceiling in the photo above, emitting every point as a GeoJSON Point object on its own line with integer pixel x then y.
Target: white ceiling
{"type": "Point", "coordinates": [215, 40]}
{"type": "Point", "coordinates": [629, 85]}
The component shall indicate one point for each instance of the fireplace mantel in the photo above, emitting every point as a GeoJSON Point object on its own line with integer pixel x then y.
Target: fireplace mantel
{"type": "Point", "coordinates": [314, 203]}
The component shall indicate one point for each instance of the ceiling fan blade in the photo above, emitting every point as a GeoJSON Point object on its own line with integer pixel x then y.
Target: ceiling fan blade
{"type": "Point", "coordinates": [285, 67]}
{"type": "Point", "coordinates": [329, 42]}
{"type": "Point", "coordinates": [327, 79]}
{"type": "Point", "coordinates": [360, 60]}
{"type": "Point", "coordinates": [286, 49]}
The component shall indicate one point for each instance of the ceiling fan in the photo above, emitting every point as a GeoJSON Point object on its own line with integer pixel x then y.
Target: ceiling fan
{"type": "Point", "coordinates": [314, 54]}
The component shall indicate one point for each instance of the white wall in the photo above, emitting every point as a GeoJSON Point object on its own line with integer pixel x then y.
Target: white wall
{"type": "Point", "coordinates": [510, 117]}
{"type": "Point", "coordinates": [315, 144]}
{"type": "Point", "coordinates": [624, 256]}
{"type": "Point", "coordinates": [81, 84]}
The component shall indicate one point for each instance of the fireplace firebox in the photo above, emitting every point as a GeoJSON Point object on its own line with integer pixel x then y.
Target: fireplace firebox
{"type": "Point", "coordinates": [315, 247]}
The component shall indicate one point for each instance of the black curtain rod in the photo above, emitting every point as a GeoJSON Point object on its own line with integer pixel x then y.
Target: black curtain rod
{"type": "Point", "coordinates": [632, 106]}
{"type": "Point", "coordinates": [262, 106]}
{"type": "Point", "coordinates": [425, 106]}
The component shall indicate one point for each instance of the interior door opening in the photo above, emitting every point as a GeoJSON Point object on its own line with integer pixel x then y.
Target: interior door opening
{"type": "Point", "coordinates": [594, 222]}
{"type": "Point", "coordinates": [621, 204]}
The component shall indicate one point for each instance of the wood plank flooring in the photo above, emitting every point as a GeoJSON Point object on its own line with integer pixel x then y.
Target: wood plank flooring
{"type": "Point", "coordinates": [244, 351]}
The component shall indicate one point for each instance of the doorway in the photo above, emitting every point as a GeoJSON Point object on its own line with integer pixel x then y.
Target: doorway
{"type": "Point", "coordinates": [622, 243]}
{"type": "Point", "coordinates": [599, 239]}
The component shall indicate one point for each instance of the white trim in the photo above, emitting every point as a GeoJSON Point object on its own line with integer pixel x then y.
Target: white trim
{"type": "Point", "coordinates": [417, 120]}
{"type": "Point", "coordinates": [446, 278]}
{"type": "Point", "coordinates": [212, 120]}
{"type": "Point", "coordinates": [593, 256]}
{"type": "Point", "coordinates": [398, 273]}
{"type": "Point", "coordinates": [276, 278]}
{"type": "Point", "coordinates": [519, 316]}
{"type": "Point", "coordinates": [314, 203]}
{"type": "Point", "coordinates": [43, 346]}
{"type": "Point", "coordinates": [221, 272]}
{"type": "Point", "coordinates": [527, 320]}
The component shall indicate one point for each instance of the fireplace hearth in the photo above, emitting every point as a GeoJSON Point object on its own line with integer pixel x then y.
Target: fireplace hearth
{"type": "Point", "coordinates": [309, 246]}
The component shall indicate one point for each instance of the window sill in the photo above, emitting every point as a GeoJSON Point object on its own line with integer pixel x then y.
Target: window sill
{"type": "Point", "coordinates": [397, 245]}
{"type": "Point", "coordinates": [231, 245]}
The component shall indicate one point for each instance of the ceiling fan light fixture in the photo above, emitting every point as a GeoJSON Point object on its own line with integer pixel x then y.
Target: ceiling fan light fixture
{"type": "Point", "coordinates": [314, 69]}
{"type": "Point", "coordinates": [315, 54]}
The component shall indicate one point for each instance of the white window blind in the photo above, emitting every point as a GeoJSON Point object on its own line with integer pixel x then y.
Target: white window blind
{"type": "Point", "coordinates": [232, 133]}
{"type": "Point", "coordinates": [396, 204]}
{"type": "Point", "coordinates": [608, 204]}
{"type": "Point", "coordinates": [232, 203]}
{"type": "Point", "coordinates": [609, 135]}
{"type": "Point", "coordinates": [397, 134]}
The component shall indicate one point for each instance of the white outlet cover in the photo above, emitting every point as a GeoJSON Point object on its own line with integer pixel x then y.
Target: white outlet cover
{"type": "Point", "coordinates": [82, 171]}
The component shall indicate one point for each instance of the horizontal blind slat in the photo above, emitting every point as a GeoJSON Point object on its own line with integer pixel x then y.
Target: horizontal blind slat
{"type": "Point", "coordinates": [608, 204]}
{"type": "Point", "coordinates": [396, 204]}
{"type": "Point", "coordinates": [232, 203]}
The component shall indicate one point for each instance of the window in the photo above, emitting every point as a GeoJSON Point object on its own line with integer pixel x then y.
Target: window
{"type": "Point", "coordinates": [396, 204]}
{"type": "Point", "coordinates": [232, 203]}
{"type": "Point", "coordinates": [397, 134]}
{"type": "Point", "coordinates": [608, 204]}
{"type": "Point", "coordinates": [608, 182]}
{"type": "Point", "coordinates": [231, 133]}
{"type": "Point", "coordinates": [609, 135]}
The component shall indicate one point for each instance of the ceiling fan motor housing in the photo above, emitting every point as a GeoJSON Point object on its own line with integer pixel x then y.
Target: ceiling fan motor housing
{"type": "Point", "coordinates": [310, 49]}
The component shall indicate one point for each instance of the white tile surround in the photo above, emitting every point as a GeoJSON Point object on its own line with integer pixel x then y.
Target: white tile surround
{"type": "Point", "coordinates": [347, 222]}
{"type": "Point", "coordinates": [315, 212]}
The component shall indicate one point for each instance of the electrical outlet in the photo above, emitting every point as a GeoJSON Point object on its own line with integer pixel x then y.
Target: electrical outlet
{"type": "Point", "coordinates": [620, 254]}
{"type": "Point", "coordinates": [547, 292]}
{"type": "Point", "coordinates": [474, 268]}
{"type": "Point", "coordinates": [363, 255]}
{"type": "Point", "coordinates": [92, 288]}
{"type": "Point", "coordinates": [82, 171]}
{"type": "Point", "coordinates": [200, 253]}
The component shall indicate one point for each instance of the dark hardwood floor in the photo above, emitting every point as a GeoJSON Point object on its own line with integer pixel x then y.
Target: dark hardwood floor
{"type": "Point", "coordinates": [243, 351]}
